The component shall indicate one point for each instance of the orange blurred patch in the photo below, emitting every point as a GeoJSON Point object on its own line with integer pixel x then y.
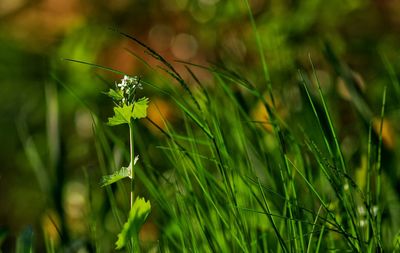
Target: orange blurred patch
{"type": "Point", "coordinates": [388, 135]}
{"type": "Point", "coordinates": [149, 232]}
{"type": "Point", "coordinates": [259, 112]}
{"type": "Point", "coordinates": [50, 225]}
{"type": "Point", "coordinates": [160, 110]}
{"type": "Point", "coordinates": [116, 57]}
{"type": "Point", "coordinates": [41, 24]}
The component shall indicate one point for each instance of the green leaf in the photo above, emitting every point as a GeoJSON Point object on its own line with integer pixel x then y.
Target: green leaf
{"type": "Point", "coordinates": [118, 175]}
{"type": "Point", "coordinates": [140, 108]}
{"type": "Point", "coordinates": [116, 95]}
{"type": "Point", "coordinates": [137, 216]}
{"type": "Point", "coordinates": [122, 115]}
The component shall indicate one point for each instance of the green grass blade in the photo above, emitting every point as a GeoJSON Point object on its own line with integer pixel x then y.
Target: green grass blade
{"type": "Point", "coordinates": [25, 241]}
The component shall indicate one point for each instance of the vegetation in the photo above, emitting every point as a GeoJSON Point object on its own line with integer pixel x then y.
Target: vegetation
{"type": "Point", "coordinates": [233, 158]}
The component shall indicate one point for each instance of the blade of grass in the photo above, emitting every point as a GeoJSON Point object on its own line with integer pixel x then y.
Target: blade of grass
{"type": "Point", "coordinates": [379, 171]}
{"type": "Point", "coordinates": [272, 221]}
{"type": "Point", "coordinates": [260, 52]}
{"type": "Point", "coordinates": [313, 230]}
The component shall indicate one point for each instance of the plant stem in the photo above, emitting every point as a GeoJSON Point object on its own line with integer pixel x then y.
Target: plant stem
{"type": "Point", "coordinates": [132, 156]}
{"type": "Point", "coordinates": [134, 241]}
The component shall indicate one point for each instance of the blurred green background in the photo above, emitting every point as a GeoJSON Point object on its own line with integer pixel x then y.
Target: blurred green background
{"type": "Point", "coordinates": [47, 150]}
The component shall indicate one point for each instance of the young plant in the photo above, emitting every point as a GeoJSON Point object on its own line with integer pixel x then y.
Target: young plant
{"type": "Point", "coordinates": [127, 109]}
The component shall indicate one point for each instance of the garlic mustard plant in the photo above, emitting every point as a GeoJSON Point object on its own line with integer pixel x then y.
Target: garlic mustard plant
{"type": "Point", "coordinates": [127, 109]}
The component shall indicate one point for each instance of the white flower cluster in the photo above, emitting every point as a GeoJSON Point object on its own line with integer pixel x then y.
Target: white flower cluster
{"type": "Point", "coordinates": [129, 83]}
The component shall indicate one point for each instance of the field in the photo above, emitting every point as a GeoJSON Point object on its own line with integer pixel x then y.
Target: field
{"type": "Point", "coordinates": [200, 126]}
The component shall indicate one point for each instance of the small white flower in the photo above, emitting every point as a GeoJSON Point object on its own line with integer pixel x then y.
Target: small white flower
{"type": "Point", "coordinates": [122, 85]}
{"type": "Point", "coordinates": [128, 79]}
{"type": "Point", "coordinates": [128, 83]}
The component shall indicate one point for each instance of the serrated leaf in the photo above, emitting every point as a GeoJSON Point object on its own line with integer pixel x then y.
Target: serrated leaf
{"type": "Point", "coordinates": [116, 95]}
{"type": "Point", "coordinates": [137, 216]}
{"type": "Point", "coordinates": [140, 108]}
{"type": "Point", "coordinates": [115, 121]}
{"type": "Point", "coordinates": [118, 175]}
{"type": "Point", "coordinates": [122, 115]}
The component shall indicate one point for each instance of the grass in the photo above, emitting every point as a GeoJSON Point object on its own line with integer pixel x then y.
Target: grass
{"type": "Point", "coordinates": [235, 184]}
